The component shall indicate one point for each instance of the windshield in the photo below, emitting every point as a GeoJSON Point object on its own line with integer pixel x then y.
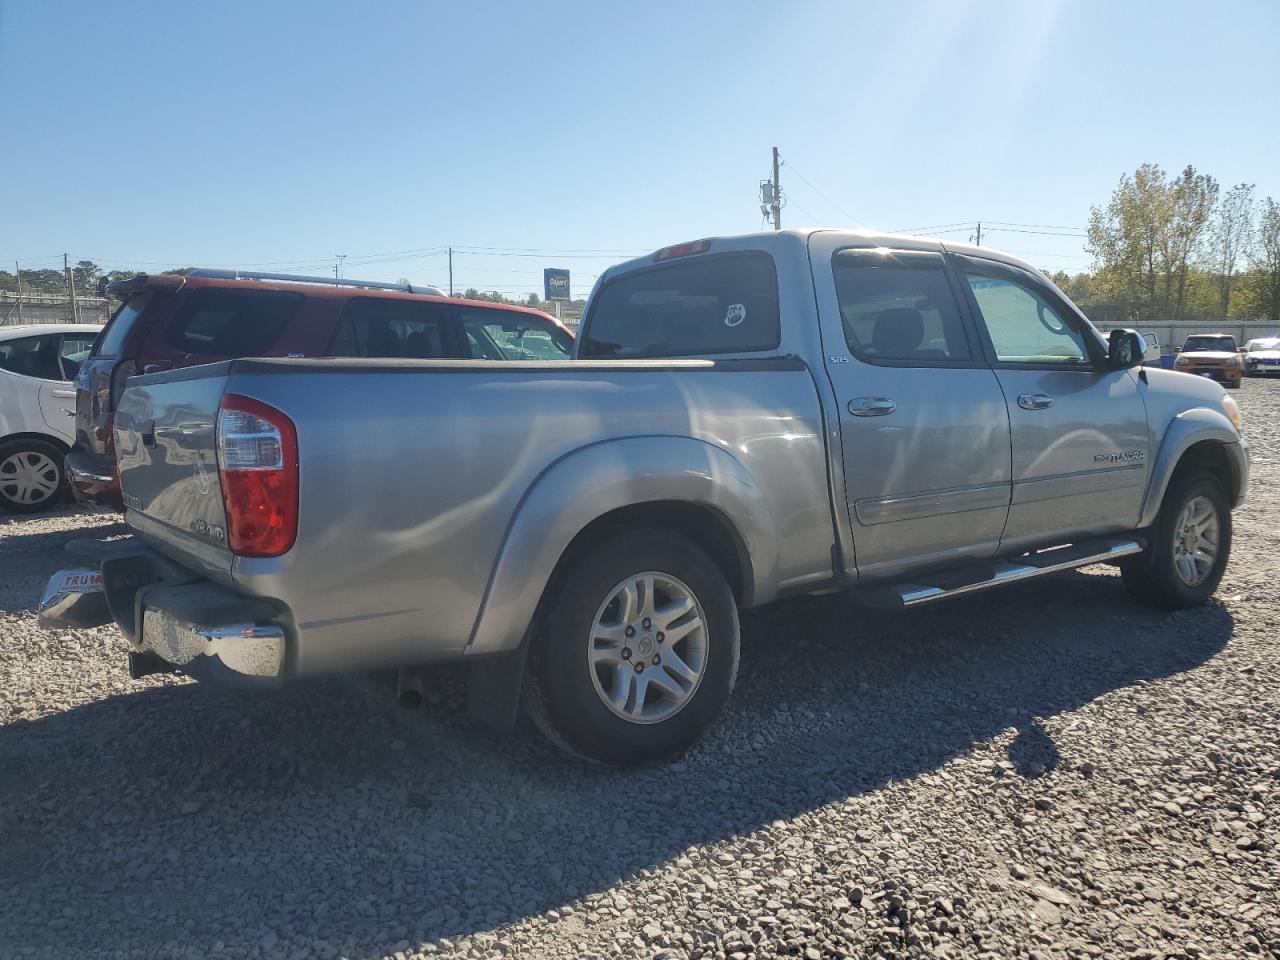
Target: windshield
{"type": "Point", "coordinates": [1258, 345]}
{"type": "Point", "coordinates": [1203, 344]}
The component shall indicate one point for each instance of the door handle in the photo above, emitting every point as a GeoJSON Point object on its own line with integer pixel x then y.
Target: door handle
{"type": "Point", "coordinates": [63, 394]}
{"type": "Point", "coordinates": [1035, 401]}
{"type": "Point", "coordinates": [871, 406]}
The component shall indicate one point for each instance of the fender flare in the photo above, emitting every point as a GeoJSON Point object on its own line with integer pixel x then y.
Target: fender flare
{"type": "Point", "coordinates": [1184, 431]}
{"type": "Point", "coordinates": [594, 480]}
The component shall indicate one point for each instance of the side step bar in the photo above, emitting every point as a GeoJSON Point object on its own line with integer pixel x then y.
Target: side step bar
{"type": "Point", "coordinates": [1001, 572]}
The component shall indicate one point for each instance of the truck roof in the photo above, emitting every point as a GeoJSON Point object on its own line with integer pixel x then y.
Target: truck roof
{"type": "Point", "coordinates": [857, 238]}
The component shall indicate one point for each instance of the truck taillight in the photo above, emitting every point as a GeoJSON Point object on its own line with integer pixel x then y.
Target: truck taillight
{"type": "Point", "coordinates": [258, 467]}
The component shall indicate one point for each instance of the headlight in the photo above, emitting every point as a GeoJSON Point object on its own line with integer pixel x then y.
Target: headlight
{"type": "Point", "coordinates": [1232, 410]}
{"type": "Point", "coordinates": [1182, 361]}
{"type": "Point", "coordinates": [1232, 361]}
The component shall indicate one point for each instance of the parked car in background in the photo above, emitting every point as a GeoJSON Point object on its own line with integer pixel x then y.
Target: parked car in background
{"type": "Point", "coordinates": [745, 418]}
{"type": "Point", "coordinates": [1211, 355]}
{"type": "Point", "coordinates": [1262, 357]}
{"type": "Point", "coordinates": [169, 321]}
{"type": "Point", "coordinates": [37, 410]}
{"type": "Point", "coordinates": [1150, 349]}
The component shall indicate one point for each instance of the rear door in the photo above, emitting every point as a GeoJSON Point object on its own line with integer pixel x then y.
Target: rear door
{"type": "Point", "coordinates": [1079, 429]}
{"type": "Point", "coordinates": [387, 327]}
{"type": "Point", "coordinates": [923, 426]}
{"type": "Point", "coordinates": [57, 391]}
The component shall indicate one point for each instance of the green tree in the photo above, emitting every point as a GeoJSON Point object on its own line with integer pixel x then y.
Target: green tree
{"type": "Point", "coordinates": [1126, 237]}
{"type": "Point", "coordinates": [1266, 260]}
{"type": "Point", "coordinates": [1232, 235]}
{"type": "Point", "coordinates": [86, 274]}
{"type": "Point", "coordinates": [1192, 198]}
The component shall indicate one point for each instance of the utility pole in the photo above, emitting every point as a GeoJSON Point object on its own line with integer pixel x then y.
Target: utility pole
{"type": "Point", "coordinates": [71, 289]}
{"type": "Point", "coordinates": [978, 237]}
{"type": "Point", "coordinates": [777, 194]}
{"type": "Point", "coordinates": [17, 275]}
{"type": "Point", "coordinates": [337, 266]}
{"type": "Point", "coordinates": [451, 271]}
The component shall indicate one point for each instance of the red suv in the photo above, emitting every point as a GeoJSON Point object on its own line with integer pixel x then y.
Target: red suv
{"type": "Point", "coordinates": [169, 321]}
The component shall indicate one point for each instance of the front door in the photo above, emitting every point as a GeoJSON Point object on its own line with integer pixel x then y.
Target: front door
{"type": "Point", "coordinates": [1079, 428]}
{"type": "Point", "coordinates": [923, 426]}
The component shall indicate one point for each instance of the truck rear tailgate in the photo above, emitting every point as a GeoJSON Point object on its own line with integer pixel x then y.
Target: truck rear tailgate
{"type": "Point", "coordinates": [166, 444]}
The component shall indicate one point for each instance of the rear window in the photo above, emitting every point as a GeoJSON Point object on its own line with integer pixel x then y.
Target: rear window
{"type": "Point", "coordinates": [726, 303]}
{"type": "Point", "coordinates": [116, 332]}
{"type": "Point", "coordinates": [372, 327]}
{"type": "Point", "coordinates": [898, 308]}
{"type": "Point", "coordinates": [503, 335]}
{"type": "Point", "coordinates": [231, 323]}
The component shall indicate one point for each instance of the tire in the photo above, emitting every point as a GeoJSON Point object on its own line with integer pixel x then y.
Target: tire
{"type": "Point", "coordinates": [32, 475]}
{"type": "Point", "coordinates": [1233, 386]}
{"type": "Point", "coordinates": [1155, 577]}
{"type": "Point", "coordinates": [658, 712]}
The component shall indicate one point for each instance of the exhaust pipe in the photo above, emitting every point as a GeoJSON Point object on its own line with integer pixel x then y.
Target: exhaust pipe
{"type": "Point", "coordinates": [409, 688]}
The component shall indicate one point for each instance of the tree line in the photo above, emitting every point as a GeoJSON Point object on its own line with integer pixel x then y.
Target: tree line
{"type": "Point", "coordinates": [1182, 248]}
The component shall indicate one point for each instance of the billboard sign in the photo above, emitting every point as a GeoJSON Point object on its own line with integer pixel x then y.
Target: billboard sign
{"type": "Point", "coordinates": [555, 283]}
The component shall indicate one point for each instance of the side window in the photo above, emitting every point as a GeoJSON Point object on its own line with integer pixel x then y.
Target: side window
{"type": "Point", "coordinates": [504, 335]}
{"type": "Point", "coordinates": [73, 352]}
{"type": "Point", "coordinates": [375, 327]}
{"type": "Point", "coordinates": [1023, 325]}
{"type": "Point", "coordinates": [898, 308]}
{"type": "Point", "coordinates": [725, 303]}
{"type": "Point", "coordinates": [31, 357]}
{"type": "Point", "coordinates": [230, 323]}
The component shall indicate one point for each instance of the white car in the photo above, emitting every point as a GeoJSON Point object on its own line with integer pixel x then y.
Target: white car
{"type": "Point", "coordinates": [1262, 357]}
{"type": "Point", "coordinates": [38, 410]}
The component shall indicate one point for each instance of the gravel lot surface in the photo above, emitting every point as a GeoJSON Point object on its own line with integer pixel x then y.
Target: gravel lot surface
{"type": "Point", "coordinates": [1048, 771]}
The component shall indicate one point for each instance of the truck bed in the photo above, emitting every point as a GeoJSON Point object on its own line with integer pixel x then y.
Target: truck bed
{"type": "Point", "coordinates": [414, 476]}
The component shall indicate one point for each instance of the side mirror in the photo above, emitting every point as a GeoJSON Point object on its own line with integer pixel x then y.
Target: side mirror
{"type": "Point", "coordinates": [1125, 348]}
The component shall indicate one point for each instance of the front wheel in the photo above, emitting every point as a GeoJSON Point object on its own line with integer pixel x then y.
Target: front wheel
{"type": "Point", "coordinates": [639, 652]}
{"type": "Point", "coordinates": [1189, 548]}
{"type": "Point", "coordinates": [32, 477]}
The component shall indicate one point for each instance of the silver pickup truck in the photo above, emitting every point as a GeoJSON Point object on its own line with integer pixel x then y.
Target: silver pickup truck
{"type": "Point", "coordinates": [746, 418]}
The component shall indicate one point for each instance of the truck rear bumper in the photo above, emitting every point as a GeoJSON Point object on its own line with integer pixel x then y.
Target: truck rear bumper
{"type": "Point", "coordinates": [196, 627]}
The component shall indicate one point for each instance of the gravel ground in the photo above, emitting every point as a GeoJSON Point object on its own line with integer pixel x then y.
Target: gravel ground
{"type": "Point", "coordinates": [1048, 771]}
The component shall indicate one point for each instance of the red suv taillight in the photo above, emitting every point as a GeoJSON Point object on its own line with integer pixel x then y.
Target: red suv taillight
{"type": "Point", "coordinates": [258, 467]}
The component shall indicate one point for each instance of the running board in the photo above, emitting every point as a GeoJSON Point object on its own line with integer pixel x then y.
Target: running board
{"type": "Point", "coordinates": [1001, 572]}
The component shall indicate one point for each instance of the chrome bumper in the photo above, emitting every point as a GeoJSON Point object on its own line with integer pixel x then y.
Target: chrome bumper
{"type": "Point", "coordinates": [200, 628]}
{"type": "Point", "coordinates": [249, 649]}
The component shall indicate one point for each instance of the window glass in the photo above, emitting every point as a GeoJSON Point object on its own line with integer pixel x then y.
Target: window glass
{"type": "Point", "coordinates": [1023, 326]}
{"type": "Point", "coordinates": [1199, 344]}
{"type": "Point", "coordinates": [117, 330]}
{"type": "Point", "coordinates": [231, 323]}
{"type": "Point", "coordinates": [73, 352]}
{"type": "Point", "coordinates": [715, 304]}
{"type": "Point", "coordinates": [503, 335]}
{"type": "Point", "coordinates": [31, 357]}
{"type": "Point", "coordinates": [898, 308]}
{"type": "Point", "coordinates": [373, 327]}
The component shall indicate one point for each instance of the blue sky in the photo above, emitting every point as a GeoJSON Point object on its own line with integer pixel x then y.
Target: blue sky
{"type": "Point", "coordinates": [276, 135]}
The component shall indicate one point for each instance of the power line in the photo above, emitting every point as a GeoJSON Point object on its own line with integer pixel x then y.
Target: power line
{"type": "Point", "coordinates": [803, 179]}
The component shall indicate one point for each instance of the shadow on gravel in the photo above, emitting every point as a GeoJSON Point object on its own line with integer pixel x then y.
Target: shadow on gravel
{"type": "Point", "coordinates": [188, 815]}
{"type": "Point", "coordinates": [30, 552]}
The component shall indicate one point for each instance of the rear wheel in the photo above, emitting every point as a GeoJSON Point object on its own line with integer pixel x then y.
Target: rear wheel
{"type": "Point", "coordinates": [1190, 545]}
{"type": "Point", "coordinates": [639, 653]}
{"type": "Point", "coordinates": [32, 477]}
